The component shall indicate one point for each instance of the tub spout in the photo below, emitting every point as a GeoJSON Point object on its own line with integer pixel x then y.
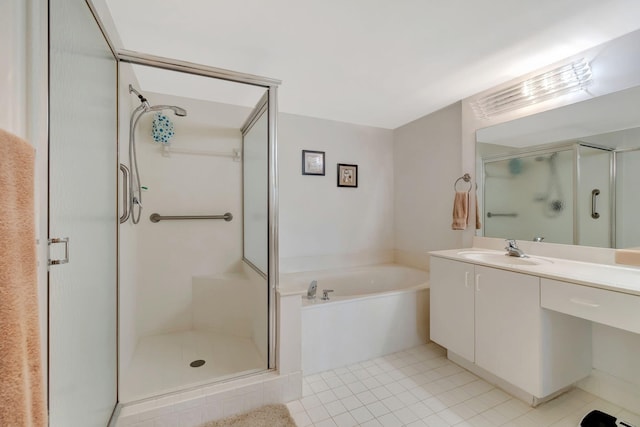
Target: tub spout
{"type": "Point", "coordinates": [325, 294]}
{"type": "Point", "coordinates": [311, 291]}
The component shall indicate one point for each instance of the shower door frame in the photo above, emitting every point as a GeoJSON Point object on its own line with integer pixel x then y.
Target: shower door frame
{"type": "Point", "coordinates": [271, 86]}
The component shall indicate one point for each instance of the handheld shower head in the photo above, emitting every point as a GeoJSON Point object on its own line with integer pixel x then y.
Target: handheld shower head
{"type": "Point", "coordinates": [180, 112]}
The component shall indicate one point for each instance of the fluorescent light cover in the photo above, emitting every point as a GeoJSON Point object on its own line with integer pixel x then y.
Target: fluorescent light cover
{"type": "Point", "coordinates": [559, 81]}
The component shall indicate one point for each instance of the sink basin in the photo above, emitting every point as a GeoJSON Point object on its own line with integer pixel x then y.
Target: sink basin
{"type": "Point", "coordinates": [498, 258]}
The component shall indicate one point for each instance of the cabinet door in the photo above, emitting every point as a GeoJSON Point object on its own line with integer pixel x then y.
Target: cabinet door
{"type": "Point", "coordinates": [452, 311]}
{"type": "Point", "coordinates": [508, 325]}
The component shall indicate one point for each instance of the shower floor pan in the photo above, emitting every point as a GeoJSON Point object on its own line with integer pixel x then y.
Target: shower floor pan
{"type": "Point", "coordinates": [162, 363]}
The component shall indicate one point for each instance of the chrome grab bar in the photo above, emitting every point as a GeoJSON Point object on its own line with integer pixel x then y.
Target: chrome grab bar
{"type": "Point", "coordinates": [594, 210]}
{"type": "Point", "coordinates": [491, 214]}
{"type": "Point", "coordinates": [125, 193]}
{"type": "Point", "coordinates": [156, 217]}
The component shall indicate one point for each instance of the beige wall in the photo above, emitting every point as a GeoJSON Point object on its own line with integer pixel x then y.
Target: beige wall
{"type": "Point", "coordinates": [323, 225]}
{"type": "Point", "coordinates": [427, 162]}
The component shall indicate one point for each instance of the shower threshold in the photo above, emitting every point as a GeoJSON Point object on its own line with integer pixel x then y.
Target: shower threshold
{"type": "Point", "coordinates": [162, 363]}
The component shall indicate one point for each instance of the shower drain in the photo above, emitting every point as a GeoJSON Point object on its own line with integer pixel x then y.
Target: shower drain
{"type": "Point", "coordinates": [197, 363]}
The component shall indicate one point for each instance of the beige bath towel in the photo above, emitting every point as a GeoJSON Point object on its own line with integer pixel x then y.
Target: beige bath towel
{"type": "Point", "coordinates": [460, 210]}
{"type": "Point", "coordinates": [22, 401]}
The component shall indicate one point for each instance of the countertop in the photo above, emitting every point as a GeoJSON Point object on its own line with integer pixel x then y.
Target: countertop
{"type": "Point", "coordinates": [604, 276]}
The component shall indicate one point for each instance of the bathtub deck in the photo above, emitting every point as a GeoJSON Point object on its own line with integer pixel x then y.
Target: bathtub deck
{"type": "Point", "coordinates": [161, 362]}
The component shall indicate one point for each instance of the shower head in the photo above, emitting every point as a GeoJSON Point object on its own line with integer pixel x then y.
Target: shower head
{"type": "Point", "coordinates": [180, 112]}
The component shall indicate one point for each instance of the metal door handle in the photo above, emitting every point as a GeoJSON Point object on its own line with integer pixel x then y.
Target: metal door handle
{"type": "Point", "coordinates": [594, 194]}
{"type": "Point", "coordinates": [64, 240]}
{"type": "Point", "coordinates": [125, 193]}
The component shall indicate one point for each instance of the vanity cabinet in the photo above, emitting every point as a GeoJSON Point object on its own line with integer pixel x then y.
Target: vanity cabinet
{"type": "Point", "coordinates": [493, 318]}
{"type": "Point", "coordinates": [452, 306]}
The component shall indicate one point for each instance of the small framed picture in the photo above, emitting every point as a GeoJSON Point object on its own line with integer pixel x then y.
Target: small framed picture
{"type": "Point", "coordinates": [312, 162]}
{"type": "Point", "coordinates": [347, 175]}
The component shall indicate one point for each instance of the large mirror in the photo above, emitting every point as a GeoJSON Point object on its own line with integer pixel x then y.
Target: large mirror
{"type": "Point", "coordinates": [567, 175]}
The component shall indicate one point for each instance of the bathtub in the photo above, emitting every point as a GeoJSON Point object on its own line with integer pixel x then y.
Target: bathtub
{"type": "Point", "coordinates": [373, 311]}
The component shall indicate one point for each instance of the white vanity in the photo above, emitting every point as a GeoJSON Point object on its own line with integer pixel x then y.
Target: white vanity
{"type": "Point", "coordinates": [525, 323]}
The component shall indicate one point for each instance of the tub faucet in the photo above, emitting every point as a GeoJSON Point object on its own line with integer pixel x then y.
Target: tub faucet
{"type": "Point", "coordinates": [513, 249]}
{"type": "Point", "coordinates": [311, 292]}
{"type": "Point", "coordinates": [325, 294]}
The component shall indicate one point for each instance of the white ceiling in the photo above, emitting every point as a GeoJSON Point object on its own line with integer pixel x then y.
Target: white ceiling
{"type": "Point", "coordinates": [381, 63]}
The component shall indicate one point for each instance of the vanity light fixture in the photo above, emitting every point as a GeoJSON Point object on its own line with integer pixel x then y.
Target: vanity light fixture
{"type": "Point", "coordinates": [562, 80]}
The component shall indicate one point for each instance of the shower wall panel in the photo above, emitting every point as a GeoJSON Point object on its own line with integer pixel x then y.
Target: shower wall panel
{"type": "Point", "coordinates": [171, 253]}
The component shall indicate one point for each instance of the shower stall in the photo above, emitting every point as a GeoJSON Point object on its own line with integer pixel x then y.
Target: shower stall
{"type": "Point", "coordinates": [195, 274]}
{"type": "Point", "coordinates": [162, 223]}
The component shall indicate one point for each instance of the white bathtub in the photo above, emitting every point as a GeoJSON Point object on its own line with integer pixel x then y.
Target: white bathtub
{"type": "Point", "coordinates": [373, 311]}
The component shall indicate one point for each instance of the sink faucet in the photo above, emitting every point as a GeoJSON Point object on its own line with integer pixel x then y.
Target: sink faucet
{"type": "Point", "coordinates": [513, 249]}
{"type": "Point", "coordinates": [311, 292]}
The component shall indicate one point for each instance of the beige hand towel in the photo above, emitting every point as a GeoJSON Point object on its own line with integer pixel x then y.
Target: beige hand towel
{"type": "Point", "coordinates": [22, 397]}
{"type": "Point", "coordinates": [460, 210]}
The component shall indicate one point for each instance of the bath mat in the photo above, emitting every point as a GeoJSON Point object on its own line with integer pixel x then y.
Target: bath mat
{"type": "Point", "coordinates": [265, 416]}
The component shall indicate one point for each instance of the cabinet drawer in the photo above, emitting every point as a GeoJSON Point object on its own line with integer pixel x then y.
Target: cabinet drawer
{"type": "Point", "coordinates": [598, 305]}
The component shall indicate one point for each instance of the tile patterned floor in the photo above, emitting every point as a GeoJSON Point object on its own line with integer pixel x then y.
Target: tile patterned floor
{"type": "Point", "coordinates": [420, 387]}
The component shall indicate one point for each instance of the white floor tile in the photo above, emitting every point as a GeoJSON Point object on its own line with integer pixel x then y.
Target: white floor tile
{"type": "Point", "coordinates": [318, 414]}
{"type": "Point", "coordinates": [302, 419]}
{"type": "Point", "coordinates": [342, 392]}
{"type": "Point", "coordinates": [327, 396]}
{"type": "Point", "coordinates": [419, 387]}
{"type": "Point", "coordinates": [366, 397]}
{"type": "Point", "coordinates": [393, 403]}
{"type": "Point", "coordinates": [335, 408]}
{"type": "Point", "coordinates": [377, 409]}
{"type": "Point", "coordinates": [326, 423]}
{"type": "Point", "coordinates": [390, 420]}
{"type": "Point", "coordinates": [362, 414]}
{"type": "Point", "coordinates": [405, 415]}
{"type": "Point", "coordinates": [345, 420]}
{"type": "Point", "coordinates": [351, 402]}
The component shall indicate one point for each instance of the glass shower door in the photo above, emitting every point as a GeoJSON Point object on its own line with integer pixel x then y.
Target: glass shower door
{"type": "Point", "coordinates": [82, 208]}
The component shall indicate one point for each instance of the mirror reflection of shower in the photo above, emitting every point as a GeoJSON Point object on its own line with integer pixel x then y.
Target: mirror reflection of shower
{"type": "Point", "coordinates": [553, 199]}
{"type": "Point", "coordinates": [135, 186]}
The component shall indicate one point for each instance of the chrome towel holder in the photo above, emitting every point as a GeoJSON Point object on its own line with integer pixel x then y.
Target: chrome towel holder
{"type": "Point", "coordinates": [466, 178]}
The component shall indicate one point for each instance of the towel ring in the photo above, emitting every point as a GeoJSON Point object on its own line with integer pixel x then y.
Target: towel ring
{"type": "Point", "coordinates": [466, 178]}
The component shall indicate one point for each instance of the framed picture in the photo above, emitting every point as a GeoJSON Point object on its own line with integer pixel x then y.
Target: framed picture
{"type": "Point", "coordinates": [347, 175]}
{"type": "Point", "coordinates": [312, 162]}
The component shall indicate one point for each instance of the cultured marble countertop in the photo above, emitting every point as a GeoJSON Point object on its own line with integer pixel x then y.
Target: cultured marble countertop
{"type": "Point", "coordinates": [604, 276]}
